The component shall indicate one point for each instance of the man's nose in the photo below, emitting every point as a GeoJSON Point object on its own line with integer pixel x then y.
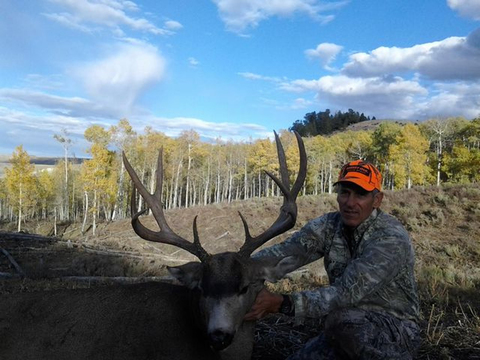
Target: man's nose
{"type": "Point", "coordinates": [351, 200]}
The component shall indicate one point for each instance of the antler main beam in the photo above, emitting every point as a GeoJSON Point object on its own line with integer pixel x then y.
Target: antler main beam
{"type": "Point", "coordinates": [288, 212]}
{"type": "Point", "coordinates": [285, 220]}
{"type": "Point", "coordinates": [154, 202]}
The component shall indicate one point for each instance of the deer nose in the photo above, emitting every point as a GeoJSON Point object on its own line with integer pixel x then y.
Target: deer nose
{"type": "Point", "coordinates": [219, 339]}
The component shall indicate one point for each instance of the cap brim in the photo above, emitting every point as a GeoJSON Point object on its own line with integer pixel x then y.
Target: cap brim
{"type": "Point", "coordinates": [364, 185]}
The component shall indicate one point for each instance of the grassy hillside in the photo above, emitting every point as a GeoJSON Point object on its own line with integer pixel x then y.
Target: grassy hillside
{"type": "Point", "coordinates": [444, 224]}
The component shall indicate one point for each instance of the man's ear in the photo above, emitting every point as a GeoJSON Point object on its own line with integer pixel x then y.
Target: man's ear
{"type": "Point", "coordinates": [188, 274]}
{"type": "Point", "coordinates": [275, 271]}
{"type": "Point", "coordinates": [377, 200]}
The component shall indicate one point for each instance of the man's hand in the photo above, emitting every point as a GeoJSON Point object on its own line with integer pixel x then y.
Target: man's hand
{"type": "Point", "coordinates": [266, 303]}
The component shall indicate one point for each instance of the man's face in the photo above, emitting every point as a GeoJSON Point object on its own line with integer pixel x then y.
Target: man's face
{"type": "Point", "coordinates": [356, 204]}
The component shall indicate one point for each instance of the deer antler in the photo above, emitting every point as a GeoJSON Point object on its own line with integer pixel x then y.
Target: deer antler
{"type": "Point", "coordinates": [288, 212]}
{"type": "Point", "coordinates": [154, 202]}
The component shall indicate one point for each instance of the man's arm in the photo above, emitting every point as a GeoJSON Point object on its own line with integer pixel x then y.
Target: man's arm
{"type": "Point", "coordinates": [379, 264]}
{"type": "Point", "coordinates": [305, 246]}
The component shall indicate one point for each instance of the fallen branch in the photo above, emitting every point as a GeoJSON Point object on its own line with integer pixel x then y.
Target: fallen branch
{"type": "Point", "coordinates": [226, 233]}
{"type": "Point", "coordinates": [16, 236]}
{"type": "Point", "coordinates": [24, 249]}
{"type": "Point", "coordinates": [4, 275]}
{"type": "Point", "coordinates": [13, 262]}
{"type": "Point", "coordinates": [118, 279]}
{"type": "Point", "coordinates": [134, 255]}
{"type": "Point", "coordinates": [113, 252]}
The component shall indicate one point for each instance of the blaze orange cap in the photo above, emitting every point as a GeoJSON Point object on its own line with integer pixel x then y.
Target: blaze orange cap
{"type": "Point", "coordinates": [361, 173]}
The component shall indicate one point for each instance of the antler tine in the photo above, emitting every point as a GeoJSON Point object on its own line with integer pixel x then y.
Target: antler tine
{"type": "Point", "coordinates": [288, 211]}
{"type": "Point", "coordinates": [302, 172]}
{"type": "Point", "coordinates": [283, 163]}
{"type": "Point", "coordinates": [165, 235]}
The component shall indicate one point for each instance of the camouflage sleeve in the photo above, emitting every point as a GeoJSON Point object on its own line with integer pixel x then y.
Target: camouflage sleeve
{"type": "Point", "coordinates": [381, 260]}
{"type": "Point", "coordinates": [306, 245]}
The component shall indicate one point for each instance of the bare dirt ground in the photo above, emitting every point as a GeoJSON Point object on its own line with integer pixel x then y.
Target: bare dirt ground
{"type": "Point", "coordinates": [444, 224]}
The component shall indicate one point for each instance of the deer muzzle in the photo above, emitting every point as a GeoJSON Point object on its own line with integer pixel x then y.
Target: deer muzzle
{"type": "Point", "coordinates": [220, 340]}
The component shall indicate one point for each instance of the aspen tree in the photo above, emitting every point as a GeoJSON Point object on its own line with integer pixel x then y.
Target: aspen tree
{"type": "Point", "coordinates": [122, 135]}
{"type": "Point", "coordinates": [20, 182]}
{"type": "Point", "coordinates": [66, 142]}
{"type": "Point", "coordinates": [99, 175]}
{"type": "Point", "coordinates": [384, 136]}
{"type": "Point", "coordinates": [409, 156]}
{"type": "Point", "coordinates": [45, 191]}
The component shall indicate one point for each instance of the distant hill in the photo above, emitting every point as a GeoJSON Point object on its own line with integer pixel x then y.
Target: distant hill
{"type": "Point", "coordinates": [373, 124]}
{"type": "Point", "coordinates": [54, 160]}
{"type": "Point", "coordinates": [40, 162]}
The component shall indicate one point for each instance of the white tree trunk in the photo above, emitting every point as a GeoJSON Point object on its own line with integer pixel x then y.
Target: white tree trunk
{"type": "Point", "coordinates": [94, 229]}
{"type": "Point", "coordinates": [177, 180]}
{"type": "Point", "coordinates": [20, 203]}
{"type": "Point", "coordinates": [119, 198]}
{"type": "Point", "coordinates": [85, 212]}
{"type": "Point", "coordinates": [206, 193]}
{"type": "Point", "coordinates": [187, 187]}
{"type": "Point", "coordinates": [245, 180]}
{"type": "Point", "coordinates": [330, 184]}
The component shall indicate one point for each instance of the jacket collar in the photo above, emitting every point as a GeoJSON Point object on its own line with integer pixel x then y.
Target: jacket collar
{"type": "Point", "coordinates": [360, 229]}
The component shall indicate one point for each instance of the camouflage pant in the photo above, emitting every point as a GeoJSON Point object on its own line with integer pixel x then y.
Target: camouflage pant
{"type": "Point", "coordinates": [359, 334]}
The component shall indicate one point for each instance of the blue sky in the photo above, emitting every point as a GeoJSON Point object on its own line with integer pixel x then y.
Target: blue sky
{"type": "Point", "coordinates": [235, 69]}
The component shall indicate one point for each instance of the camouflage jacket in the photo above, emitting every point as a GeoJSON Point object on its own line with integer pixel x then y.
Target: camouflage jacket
{"type": "Point", "coordinates": [375, 273]}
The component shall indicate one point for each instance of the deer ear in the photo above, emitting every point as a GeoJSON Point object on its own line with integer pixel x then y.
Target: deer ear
{"type": "Point", "coordinates": [278, 270]}
{"type": "Point", "coordinates": [188, 274]}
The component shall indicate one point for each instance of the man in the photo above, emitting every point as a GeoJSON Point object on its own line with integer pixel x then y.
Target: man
{"type": "Point", "coordinates": [370, 309]}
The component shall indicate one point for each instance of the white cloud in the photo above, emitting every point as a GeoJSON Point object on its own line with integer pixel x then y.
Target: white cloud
{"type": "Point", "coordinates": [392, 97]}
{"type": "Point", "coordinates": [81, 14]}
{"type": "Point", "coordinates": [206, 129]}
{"type": "Point", "coordinates": [240, 15]}
{"type": "Point", "coordinates": [35, 120]}
{"type": "Point", "coordinates": [325, 52]}
{"type": "Point", "coordinates": [466, 8]}
{"type": "Point", "coordinates": [298, 104]}
{"type": "Point", "coordinates": [419, 82]}
{"type": "Point", "coordinates": [301, 103]}
{"type": "Point", "coordinates": [344, 86]}
{"type": "Point", "coordinates": [119, 80]}
{"type": "Point", "coordinates": [252, 76]}
{"type": "Point", "coordinates": [113, 84]}
{"type": "Point", "coordinates": [45, 82]}
{"type": "Point", "coordinates": [129, 5]}
{"type": "Point", "coordinates": [43, 100]}
{"type": "Point", "coordinates": [452, 99]}
{"type": "Point", "coordinates": [34, 130]}
{"type": "Point", "coordinates": [69, 21]}
{"type": "Point", "coordinates": [173, 25]}
{"type": "Point", "coordinates": [74, 108]}
{"type": "Point", "coordinates": [193, 62]}
{"type": "Point", "coordinates": [380, 97]}
{"type": "Point", "coordinates": [453, 58]}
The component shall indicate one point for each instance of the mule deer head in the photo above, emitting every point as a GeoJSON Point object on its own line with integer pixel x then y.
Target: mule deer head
{"type": "Point", "coordinates": [226, 283]}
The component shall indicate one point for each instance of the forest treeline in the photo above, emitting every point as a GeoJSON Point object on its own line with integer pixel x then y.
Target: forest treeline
{"type": "Point", "coordinates": [199, 173]}
{"type": "Point", "coordinates": [325, 123]}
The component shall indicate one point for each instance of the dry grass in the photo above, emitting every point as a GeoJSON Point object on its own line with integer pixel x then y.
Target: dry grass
{"type": "Point", "coordinates": [444, 224]}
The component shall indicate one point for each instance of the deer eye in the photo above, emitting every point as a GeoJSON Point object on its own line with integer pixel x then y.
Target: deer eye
{"type": "Point", "coordinates": [243, 290]}
{"type": "Point", "coordinates": [199, 290]}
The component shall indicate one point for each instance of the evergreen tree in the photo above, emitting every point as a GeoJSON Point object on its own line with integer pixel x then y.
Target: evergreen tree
{"type": "Point", "coordinates": [324, 123]}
